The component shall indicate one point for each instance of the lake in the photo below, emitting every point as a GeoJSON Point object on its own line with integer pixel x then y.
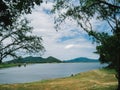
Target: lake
{"type": "Point", "coordinates": [36, 72]}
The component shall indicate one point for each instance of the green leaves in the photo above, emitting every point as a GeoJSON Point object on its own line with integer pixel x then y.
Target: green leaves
{"type": "Point", "coordinates": [10, 10]}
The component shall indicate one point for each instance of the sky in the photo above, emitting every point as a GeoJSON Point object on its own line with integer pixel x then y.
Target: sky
{"type": "Point", "coordinates": [67, 43]}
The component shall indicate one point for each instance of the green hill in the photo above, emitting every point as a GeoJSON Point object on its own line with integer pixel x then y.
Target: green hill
{"type": "Point", "coordinates": [31, 59]}
{"type": "Point", "coordinates": [81, 59]}
{"type": "Point", "coordinates": [52, 59]}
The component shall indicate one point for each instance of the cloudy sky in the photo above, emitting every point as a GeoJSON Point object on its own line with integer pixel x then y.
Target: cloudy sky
{"type": "Point", "coordinates": [67, 43]}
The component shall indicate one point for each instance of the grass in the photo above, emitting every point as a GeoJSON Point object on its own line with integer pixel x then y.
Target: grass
{"type": "Point", "coordinates": [102, 79]}
{"type": "Point", "coordinates": [5, 65]}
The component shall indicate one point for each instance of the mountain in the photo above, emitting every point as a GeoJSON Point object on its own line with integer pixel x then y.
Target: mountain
{"type": "Point", "coordinates": [52, 59]}
{"type": "Point", "coordinates": [81, 59]}
{"type": "Point", "coordinates": [31, 59]}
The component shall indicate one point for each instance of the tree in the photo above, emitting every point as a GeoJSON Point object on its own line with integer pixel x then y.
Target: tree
{"type": "Point", "coordinates": [15, 34]}
{"type": "Point", "coordinates": [109, 52]}
{"type": "Point", "coordinates": [83, 11]}
{"type": "Point", "coordinates": [17, 38]}
{"type": "Point", "coordinates": [10, 9]}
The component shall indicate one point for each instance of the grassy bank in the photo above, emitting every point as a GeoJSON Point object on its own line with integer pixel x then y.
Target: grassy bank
{"type": "Point", "coordinates": [5, 65]}
{"type": "Point", "coordinates": [93, 80]}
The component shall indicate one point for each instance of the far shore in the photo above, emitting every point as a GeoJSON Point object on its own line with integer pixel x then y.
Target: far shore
{"type": "Point", "coordinates": [8, 65]}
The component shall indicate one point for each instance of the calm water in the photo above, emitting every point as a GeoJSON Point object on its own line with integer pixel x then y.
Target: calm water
{"type": "Point", "coordinates": [37, 72]}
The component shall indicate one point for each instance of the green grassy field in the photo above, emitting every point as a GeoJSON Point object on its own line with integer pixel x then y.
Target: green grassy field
{"type": "Point", "coordinates": [7, 65]}
{"type": "Point", "coordinates": [103, 79]}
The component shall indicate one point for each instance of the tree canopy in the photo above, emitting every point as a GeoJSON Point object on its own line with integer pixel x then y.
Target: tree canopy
{"type": "Point", "coordinates": [11, 9]}
{"type": "Point", "coordinates": [83, 11]}
{"type": "Point", "coordinates": [15, 32]}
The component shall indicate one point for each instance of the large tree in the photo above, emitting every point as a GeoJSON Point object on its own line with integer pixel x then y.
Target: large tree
{"type": "Point", "coordinates": [15, 33]}
{"type": "Point", "coordinates": [18, 39]}
{"type": "Point", "coordinates": [84, 12]}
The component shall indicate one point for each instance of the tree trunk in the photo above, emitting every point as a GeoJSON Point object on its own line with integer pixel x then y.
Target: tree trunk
{"type": "Point", "coordinates": [118, 78]}
{"type": "Point", "coordinates": [0, 58]}
{"type": "Point", "coordinates": [0, 61]}
{"type": "Point", "coordinates": [118, 57]}
{"type": "Point", "coordinates": [118, 72]}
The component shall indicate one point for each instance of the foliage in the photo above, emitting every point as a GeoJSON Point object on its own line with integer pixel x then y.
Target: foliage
{"type": "Point", "coordinates": [109, 51]}
{"type": "Point", "coordinates": [18, 38]}
{"type": "Point", "coordinates": [15, 33]}
{"type": "Point", "coordinates": [83, 11]}
{"type": "Point", "coordinates": [9, 10]}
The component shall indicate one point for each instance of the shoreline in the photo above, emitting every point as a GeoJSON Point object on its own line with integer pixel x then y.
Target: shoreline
{"type": "Point", "coordinates": [4, 65]}
{"type": "Point", "coordinates": [9, 65]}
{"type": "Point", "coordinates": [99, 79]}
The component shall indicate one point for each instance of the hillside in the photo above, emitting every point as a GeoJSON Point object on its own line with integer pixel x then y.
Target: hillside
{"type": "Point", "coordinates": [81, 59]}
{"type": "Point", "coordinates": [31, 59]}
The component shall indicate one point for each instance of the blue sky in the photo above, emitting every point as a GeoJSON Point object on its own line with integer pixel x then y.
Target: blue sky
{"type": "Point", "coordinates": [68, 42]}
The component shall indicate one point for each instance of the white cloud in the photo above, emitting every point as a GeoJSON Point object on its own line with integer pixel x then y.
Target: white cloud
{"type": "Point", "coordinates": [69, 46]}
{"type": "Point", "coordinates": [77, 46]}
{"type": "Point", "coordinates": [44, 26]}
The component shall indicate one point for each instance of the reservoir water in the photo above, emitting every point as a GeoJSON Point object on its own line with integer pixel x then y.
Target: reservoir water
{"type": "Point", "coordinates": [36, 72]}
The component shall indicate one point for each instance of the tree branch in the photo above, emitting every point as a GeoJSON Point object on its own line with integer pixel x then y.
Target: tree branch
{"type": "Point", "coordinates": [103, 2]}
{"type": "Point", "coordinates": [109, 4]}
{"type": "Point", "coordinates": [10, 52]}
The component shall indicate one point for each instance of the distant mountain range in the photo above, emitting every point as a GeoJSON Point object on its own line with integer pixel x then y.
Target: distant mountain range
{"type": "Point", "coordinates": [50, 59]}
{"type": "Point", "coordinates": [31, 59]}
{"type": "Point", "coordinates": [81, 59]}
